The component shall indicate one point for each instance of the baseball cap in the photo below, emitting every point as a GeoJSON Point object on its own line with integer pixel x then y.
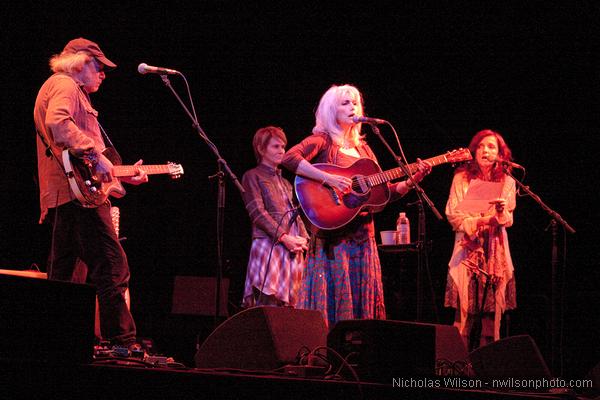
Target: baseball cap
{"type": "Point", "coordinates": [81, 44]}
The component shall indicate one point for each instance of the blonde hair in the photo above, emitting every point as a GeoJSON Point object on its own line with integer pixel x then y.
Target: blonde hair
{"type": "Point", "coordinates": [69, 63]}
{"type": "Point", "coordinates": [326, 114]}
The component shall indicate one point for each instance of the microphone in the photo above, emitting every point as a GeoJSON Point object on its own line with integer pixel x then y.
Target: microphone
{"type": "Point", "coordinates": [291, 222]}
{"type": "Point", "coordinates": [511, 164]}
{"type": "Point", "coordinates": [293, 217]}
{"type": "Point", "coordinates": [506, 163]}
{"type": "Point", "coordinates": [144, 68]}
{"type": "Point", "coordinates": [368, 120]}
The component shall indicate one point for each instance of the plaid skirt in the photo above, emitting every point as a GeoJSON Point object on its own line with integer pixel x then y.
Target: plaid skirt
{"type": "Point", "coordinates": [281, 278]}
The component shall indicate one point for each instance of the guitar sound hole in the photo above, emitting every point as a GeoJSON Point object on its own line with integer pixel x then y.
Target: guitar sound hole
{"type": "Point", "coordinates": [359, 184]}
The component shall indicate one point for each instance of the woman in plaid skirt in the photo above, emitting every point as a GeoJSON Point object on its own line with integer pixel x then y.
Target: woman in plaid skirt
{"type": "Point", "coordinates": [279, 237]}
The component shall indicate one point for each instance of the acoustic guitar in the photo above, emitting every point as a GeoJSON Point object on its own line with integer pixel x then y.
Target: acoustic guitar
{"type": "Point", "coordinates": [327, 208]}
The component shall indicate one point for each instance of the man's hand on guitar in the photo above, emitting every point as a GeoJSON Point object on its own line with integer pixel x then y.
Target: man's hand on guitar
{"type": "Point", "coordinates": [103, 169]}
{"type": "Point", "coordinates": [139, 177]}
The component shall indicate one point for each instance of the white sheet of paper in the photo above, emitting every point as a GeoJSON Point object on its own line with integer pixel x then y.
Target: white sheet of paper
{"type": "Point", "coordinates": [478, 197]}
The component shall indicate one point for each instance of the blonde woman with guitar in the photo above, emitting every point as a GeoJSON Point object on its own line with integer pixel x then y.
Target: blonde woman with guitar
{"type": "Point", "coordinates": [343, 273]}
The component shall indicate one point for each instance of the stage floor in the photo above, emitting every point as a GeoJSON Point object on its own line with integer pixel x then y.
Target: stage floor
{"type": "Point", "coordinates": [30, 379]}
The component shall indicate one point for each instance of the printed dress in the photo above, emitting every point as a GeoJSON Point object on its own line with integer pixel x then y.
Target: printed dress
{"type": "Point", "coordinates": [486, 247]}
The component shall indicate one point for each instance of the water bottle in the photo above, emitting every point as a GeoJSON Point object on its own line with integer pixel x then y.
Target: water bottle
{"type": "Point", "coordinates": [403, 228]}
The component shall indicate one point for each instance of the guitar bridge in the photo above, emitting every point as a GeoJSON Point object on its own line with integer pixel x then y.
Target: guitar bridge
{"type": "Point", "coordinates": [334, 195]}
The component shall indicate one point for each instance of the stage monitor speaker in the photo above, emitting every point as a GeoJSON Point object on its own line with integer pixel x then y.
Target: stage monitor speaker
{"type": "Point", "coordinates": [47, 321]}
{"type": "Point", "coordinates": [593, 376]}
{"type": "Point", "coordinates": [511, 357]}
{"type": "Point", "coordinates": [262, 338]}
{"type": "Point", "coordinates": [381, 350]}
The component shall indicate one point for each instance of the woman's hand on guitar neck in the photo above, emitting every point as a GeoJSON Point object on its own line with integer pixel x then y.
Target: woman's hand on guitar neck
{"type": "Point", "coordinates": [423, 169]}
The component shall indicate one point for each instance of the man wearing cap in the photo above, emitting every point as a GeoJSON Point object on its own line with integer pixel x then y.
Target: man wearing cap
{"type": "Point", "coordinates": [65, 119]}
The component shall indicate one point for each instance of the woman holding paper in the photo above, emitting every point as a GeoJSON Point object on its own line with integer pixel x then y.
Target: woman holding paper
{"type": "Point", "coordinates": [480, 208]}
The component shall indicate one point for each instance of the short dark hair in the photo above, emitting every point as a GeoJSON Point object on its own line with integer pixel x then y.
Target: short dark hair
{"type": "Point", "coordinates": [262, 137]}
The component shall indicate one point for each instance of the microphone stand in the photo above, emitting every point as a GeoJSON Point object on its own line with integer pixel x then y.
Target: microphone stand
{"type": "Point", "coordinates": [476, 328]}
{"type": "Point", "coordinates": [556, 344]}
{"type": "Point", "coordinates": [421, 245]}
{"type": "Point", "coordinates": [423, 259]}
{"type": "Point", "coordinates": [223, 171]}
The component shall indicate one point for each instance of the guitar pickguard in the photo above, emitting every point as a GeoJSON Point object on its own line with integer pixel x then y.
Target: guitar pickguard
{"type": "Point", "coordinates": [355, 200]}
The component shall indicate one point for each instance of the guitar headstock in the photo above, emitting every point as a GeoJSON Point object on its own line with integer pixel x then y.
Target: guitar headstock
{"type": "Point", "coordinates": [175, 170]}
{"type": "Point", "coordinates": [458, 155]}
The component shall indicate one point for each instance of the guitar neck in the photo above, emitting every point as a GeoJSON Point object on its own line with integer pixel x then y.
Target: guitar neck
{"type": "Point", "coordinates": [130, 170]}
{"type": "Point", "coordinates": [396, 173]}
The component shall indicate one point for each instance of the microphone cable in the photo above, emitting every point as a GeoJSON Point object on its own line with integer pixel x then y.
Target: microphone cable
{"type": "Point", "coordinates": [274, 241]}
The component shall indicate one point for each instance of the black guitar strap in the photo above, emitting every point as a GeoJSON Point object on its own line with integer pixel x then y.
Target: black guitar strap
{"type": "Point", "coordinates": [50, 152]}
{"type": "Point", "coordinates": [110, 152]}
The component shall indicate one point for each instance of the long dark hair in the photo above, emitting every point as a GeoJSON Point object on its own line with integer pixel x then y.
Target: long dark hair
{"type": "Point", "coordinates": [504, 153]}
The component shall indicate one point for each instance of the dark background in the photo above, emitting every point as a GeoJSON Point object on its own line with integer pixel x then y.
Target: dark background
{"type": "Point", "coordinates": [438, 73]}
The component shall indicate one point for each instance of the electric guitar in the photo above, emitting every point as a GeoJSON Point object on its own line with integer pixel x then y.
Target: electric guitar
{"type": "Point", "coordinates": [91, 191]}
{"type": "Point", "coordinates": [327, 208]}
